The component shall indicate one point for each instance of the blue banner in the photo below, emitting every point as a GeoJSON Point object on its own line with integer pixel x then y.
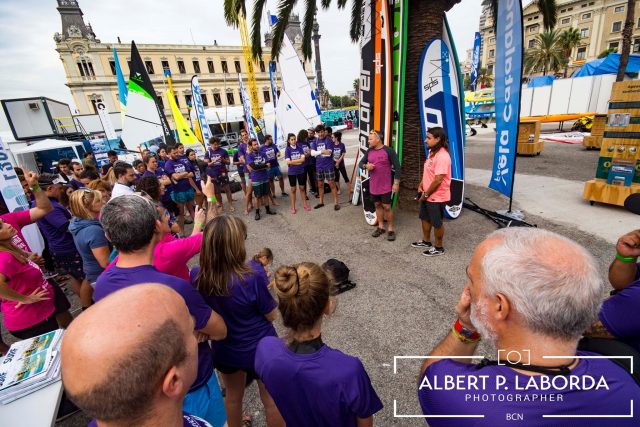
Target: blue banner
{"type": "Point", "coordinates": [198, 107]}
{"type": "Point", "coordinates": [475, 64]}
{"type": "Point", "coordinates": [508, 78]}
{"type": "Point", "coordinates": [272, 76]}
{"type": "Point", "coordinates": [123, 91]}
{"type": "Point", "coordinates": [248, 115]}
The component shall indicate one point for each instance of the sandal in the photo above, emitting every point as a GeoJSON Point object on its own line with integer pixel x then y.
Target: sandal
{"type": "Point", "coordinates": [307, 208]}
{"type": "Point", "coordinates": [391, 236]}
{"type": "Point", "coordinates": [293, 211]}
{"type": "Point", "coordinates": [378, 232]}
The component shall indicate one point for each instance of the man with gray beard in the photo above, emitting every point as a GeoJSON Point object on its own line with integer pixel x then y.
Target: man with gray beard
{"type": "Point", "coordinates": [531, 293]}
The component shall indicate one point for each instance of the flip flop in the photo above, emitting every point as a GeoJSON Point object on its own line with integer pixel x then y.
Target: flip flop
{"type": "Point", "coordinates": [307, 208]}
{"type": "Point", "coordinates": [293, 211]}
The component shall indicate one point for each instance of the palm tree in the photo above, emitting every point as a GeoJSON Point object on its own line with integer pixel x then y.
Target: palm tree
{"type": "Point", "coordinates": [425, 21]}
{"type": "Point", "coordinates": [545, 55]}
{"type": "Point", "coordinates": [484, 79]}
{"type": "Point", "coordinates": [569, 39]}
{"type": "Point", "coordinates": [549, 11]}
{"type": "Point", "coordinates": [626, 40]}
{"type": "Point", "coordinates": [356, 85]}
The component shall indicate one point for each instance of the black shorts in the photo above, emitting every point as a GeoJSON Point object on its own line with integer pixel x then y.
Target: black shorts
{"type": "Point", "coordinates": [301, 179]}
{"type": "Point", "coordinates": [385, 198]}
{"type": "Point", "coordinates": [61, 304]}
{"type": "Point", "coordinates": [226, 369]}
{"type": "Point", "coordinates": [260, 189]}
{"type": "Point", "coordinates": [432, 212]}
{"type": "Point", "coordinates": [70, 263]}
{"type": "Point", "coordinates": [220, 182]}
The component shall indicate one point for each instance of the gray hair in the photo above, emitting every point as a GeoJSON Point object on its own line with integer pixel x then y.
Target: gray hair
{"type": "Point", "coordinates": [129, 222]}
{"type": "Point", "coordinates": [551, 281]}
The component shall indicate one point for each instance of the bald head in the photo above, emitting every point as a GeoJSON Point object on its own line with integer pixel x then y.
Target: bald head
{"type": "Point", "coordinates": [116, 353]}
{"type": "Point", "coordinates": [552, 282]}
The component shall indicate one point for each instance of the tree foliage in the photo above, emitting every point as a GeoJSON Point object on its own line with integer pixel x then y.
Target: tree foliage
{"type": "Point", "coordinates": [546, 54]}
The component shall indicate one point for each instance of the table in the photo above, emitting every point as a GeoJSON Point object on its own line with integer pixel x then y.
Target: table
{"type": "Point", "coordinates": [38, 409]}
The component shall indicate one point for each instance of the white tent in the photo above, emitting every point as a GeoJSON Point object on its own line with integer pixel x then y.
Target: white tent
{"type": "Point", "coordinates": [221, 115]}
{"type": "Point", "coordinates": [22, 153]}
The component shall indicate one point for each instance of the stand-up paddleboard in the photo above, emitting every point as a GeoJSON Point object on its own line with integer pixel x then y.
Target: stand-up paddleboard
{"type": "Point", "coordinates": [439, 97]}
{"type": "Point", "coordinates": [447, 37]}
{"type": "Point", "coordinates": [399, 10]}
{"type": "Point", "coordinates": [375, 87]}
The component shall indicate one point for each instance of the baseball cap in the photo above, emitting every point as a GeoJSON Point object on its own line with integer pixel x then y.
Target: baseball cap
{"type": "Point", "coordinates": [47, 179]}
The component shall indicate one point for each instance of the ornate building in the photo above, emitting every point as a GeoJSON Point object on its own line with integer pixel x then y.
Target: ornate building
{"type": "Point", "coordinates": [91, 75]}
{"type": "Point", "coordinates": [600, 23]}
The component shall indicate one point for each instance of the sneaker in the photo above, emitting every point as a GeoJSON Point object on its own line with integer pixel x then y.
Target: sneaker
{"type": "Point", "coordinates": [421, 244]}
{"type": "Point", "coordinates": [318, 206]}
{"type": "Point", "coordinates": [378, 232]}
{"type": "Point", "coordinates": [336, 207]}
{"type": "Point", "coordinates": [270, 212]}
{"type": "Point", "coordinates": [391, 236]}
{"type": "Point", "coordinates": [257, 217]}
{"type": "Point", "coordinates": [433, 251]}
{"type": "Point", "coordinates": [284, 194]}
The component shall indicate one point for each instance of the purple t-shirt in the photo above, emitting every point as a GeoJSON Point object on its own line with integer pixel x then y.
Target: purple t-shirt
{"type": "Point", "coordinates": [159, 173]}
{"type": "Point", "coordinates": [323, 162]}
{"type": "Point", "coordinates": [254, 160]}
{"type": "Point", "coordinates": [380, 181]}
{"type": "Point", "coordinates": [325, 388]}
{"type": "Point", "coordinates": [307, 152]}
{"type": "Point", "coordinates": [115, 278]}
{"type": "Point", "coordinates": [55, 228]}
{"type": "Point", "coordinates": [295, 153]}
{"type": "Point", "coordinates": [188, 420]}
{"type": "Point", "coordinates": [243, 312]}
{"type": "Point", "coordinates": [242, 151]}
{"type": "Point", "coordinates": [515, 397]}
{"type": "Point", "coordinates": [179, 166]}
{"type": "Point", "coordinates": [219, 167]}
{"type": "Point", "coordinates": [339, 150]}
{"type": "Point", "coordinates": [619, 313]}
{"type": "Point", "coordinates": [75, 184]}
{"type": "Point", "coordinates": [271, 151]}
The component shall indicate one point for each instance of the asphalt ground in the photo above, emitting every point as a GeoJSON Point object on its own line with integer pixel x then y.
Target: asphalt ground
{"type": "Point", "coordinates": [403, 303]}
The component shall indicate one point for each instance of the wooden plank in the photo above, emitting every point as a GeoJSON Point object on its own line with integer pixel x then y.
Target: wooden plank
{"type": "Point", "coordinates": [597, 190]}
{"type": "Point", "coordinates": [530, 149]}
{"type": "Point", "coordinates": [592, 142]}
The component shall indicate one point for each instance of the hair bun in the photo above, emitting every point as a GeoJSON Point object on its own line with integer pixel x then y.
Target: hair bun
{"type": "Point", "coordinates": [287, 284]}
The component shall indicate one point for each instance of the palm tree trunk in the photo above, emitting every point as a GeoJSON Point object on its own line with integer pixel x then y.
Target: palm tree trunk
{"type": "Point", "coordinates": [626, 40]}
{"type": "Point", "coordinates": [425, 22]}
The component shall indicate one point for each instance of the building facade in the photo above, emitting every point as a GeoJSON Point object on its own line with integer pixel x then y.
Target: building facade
{"type": "Point", "coordinates": [89, 66]}
{"type": "Point", "coordinates": [600, 23]}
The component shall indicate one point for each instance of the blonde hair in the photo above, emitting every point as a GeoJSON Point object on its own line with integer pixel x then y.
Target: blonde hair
{"type": "Point", "coordinates": [8, 247]}
{"type": "Point", "coordinates": [266, 252]}
{"type": "Point", "coordinates": [80, 202]}
{"type": "Point", "coordinates": [303, 293]}
{"type": "Point", "coordinates": [222, 256]}
{"type": "Point", "coordinates": [100, 185]}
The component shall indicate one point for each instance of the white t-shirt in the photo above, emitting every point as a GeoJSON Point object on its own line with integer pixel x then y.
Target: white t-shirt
{"type": "Point", "coordinates": [120, 190]}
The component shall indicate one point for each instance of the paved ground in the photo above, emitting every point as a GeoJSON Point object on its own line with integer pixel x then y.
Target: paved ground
{"type": "Point", "coordinates": [403, 302]}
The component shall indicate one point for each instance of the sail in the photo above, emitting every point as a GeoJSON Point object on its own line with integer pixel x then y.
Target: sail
{"type": "Point", "coordinates": [248, 114]}
{"type": "Point", "coordinates": [185, 134]}
{"type": "Point", "coordinates": [198, 109]}
{"type": "Point", "coordinates": [289, 117]}
{"type": "Point", "coordinates": [144, 119]}
{"type": "Point", "coordinates": [296, 84]}
{"type": "Point", "coordinates": [122, 86]}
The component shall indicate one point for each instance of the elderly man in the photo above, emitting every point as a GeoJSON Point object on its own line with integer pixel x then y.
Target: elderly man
{"type": "Point", "coordinates": [531, 293]}
{"type": "Point", "coordinates": [132, 224]}
{"type": "Point", "coordinates": [384, 180]}
{"type": "Point", "coordinates": [114, 340]}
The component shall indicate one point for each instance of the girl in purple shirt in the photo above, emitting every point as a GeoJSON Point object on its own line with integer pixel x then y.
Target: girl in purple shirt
{"type": "Point", "coordinates": [342, 391]}
{"type": "Point", "coordinates": [240, 295]}
{"type": "Point", "coordinates": [294, 154]}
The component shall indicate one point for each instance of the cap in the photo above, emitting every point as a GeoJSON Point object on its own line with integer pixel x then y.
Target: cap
{"type": "Point", "coordinates": [47, 179]}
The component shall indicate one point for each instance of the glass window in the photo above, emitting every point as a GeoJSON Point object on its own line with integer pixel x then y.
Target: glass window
{"type": "Point", "coordinates": [165, 66]}
{"type": "Point", "coordinates": [490, 69]}
{"type": "Point", "coordinates": [205, 101]}
{"type": "Point", "coordinates": [614, 45]}
{"type": "Point", "coordinates": [237, 65]}
{"type": "Point", "coordinates": [112, 65]}
{"type": "Point", "coordinates": [177, 100]}
{"type": "Point", "coordinates": [160, 102]}
{"type": "Point", "coordinates": [187, 99]}
{"type": "Point", "coordinates": [217, 99]}
{"type": "Point", "coordinates": [210, 67]}
{"type": "Point", "coordinates": [586, 15]}
{"type": "Point", "coordinates": [225, 69]}
{"type": "Point", "coordinates": [181, 68]}
{"type": "Point", "coordinates": [565, 21]}
{"type": "Point", "coordinates": [492, 53]}
{"type": "Point", "coordinates": [230, 99]}
{"type": "Point", "coordinates": [532, 43]}
{"type": "Point", "coordinates": [618, 9]}
{"type": "Point", "coordinates": [266, 95]}
{"type": "Point", "coordinates": [582, 53]}
{"type": "Point", "coordinates": [616, 27]}
{"type": "Point", "coordinates": [584, 32]}
{"type": "Point", "coordinates": [149, 66]}
{"type": "Point", "coordinates": [635, 47]}
{"type": "Point", "coordinates": [262, 68]}
{"type": "Point", "coordinates": [93, 103]}
{"type": "Point", "coordinates": [196, 67]}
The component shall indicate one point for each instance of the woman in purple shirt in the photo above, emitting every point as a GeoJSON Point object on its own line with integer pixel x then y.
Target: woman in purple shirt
{"type": "Point", "coordinates": [295, 157]}
{"type": "Point", "coordinates": [342, 391]}
{"type": "Point", "coordinates": [240, 295]}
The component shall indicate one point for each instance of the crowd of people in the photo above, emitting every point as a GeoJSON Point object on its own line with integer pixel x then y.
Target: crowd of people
{"type": "Point", "coordinates": [119, 236]}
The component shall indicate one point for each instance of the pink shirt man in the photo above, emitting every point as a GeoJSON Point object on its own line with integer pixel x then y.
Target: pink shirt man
{"type": "Point", "coordinates": [438, 164]}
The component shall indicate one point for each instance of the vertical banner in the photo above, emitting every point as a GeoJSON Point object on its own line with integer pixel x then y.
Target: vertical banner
{"type": "Point", "coordinates": [123, 92]}
{"type": "Point", "coordinates": [475, 63]}
{"type": "Point", "coordinates": [198, 108]}
{"type": "Point", "coordinates": [10, 187]}
{"type": "Point", "coordinates": [246, 104]}
{"type": "Point", "coordinates": [103, 115]}
{"type": "Point", "coordinates": [508, 78]}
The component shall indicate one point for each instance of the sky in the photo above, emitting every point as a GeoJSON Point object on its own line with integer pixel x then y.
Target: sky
{"type": "Point", "coordinates": [31, 67]}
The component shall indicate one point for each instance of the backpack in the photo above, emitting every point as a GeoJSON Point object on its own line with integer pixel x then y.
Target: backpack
{"type": "Point", "coordinates": [613, 347]}
{"type": "Point", "coordinates": [339, 272]}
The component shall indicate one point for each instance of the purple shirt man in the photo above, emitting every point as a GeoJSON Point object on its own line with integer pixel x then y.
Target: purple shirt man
{"type": "Point", "coordinates": [242, 151]}
{"type": "Point", "coordinates": [258, 162]}
{"type": "Point", "coordinates": [618, 313]}
{"type": "Point", "coordinates": [218, 157]}
{"type": "Point", "coordinates": [179, 166]}
{"type": "Point", "coordinates": [323, 161]}
{"type": "Point", "coordinates": [55, 228]}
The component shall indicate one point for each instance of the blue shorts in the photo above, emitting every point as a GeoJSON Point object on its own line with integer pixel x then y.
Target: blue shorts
{"type": "Point", "coordinates": [274, 171]}
{"type": "Point", "coordinates": [206, 403]}
{"type": "Point", "coordinates": [183, 196]}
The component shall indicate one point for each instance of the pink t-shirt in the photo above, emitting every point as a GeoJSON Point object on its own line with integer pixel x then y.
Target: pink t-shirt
{"type": "Point", "coordinates": [438, 164]}
{"type": "Point", "coordinates": [24, 279]}
{"type": "Point", "coordinates": [18, 220]}
{"type": "Point", "coordinates": [381, 181]}
{"type": "Point", "coordinates": [170, 256]}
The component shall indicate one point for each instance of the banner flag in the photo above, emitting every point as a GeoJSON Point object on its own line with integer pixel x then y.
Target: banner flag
{"type": "Point", "coordinates": [123, 92]}
{"type": "Point", "coordinates": [246, 105]}
{"type": "Point", "coordinates": [198, 107]}
{"type": "Point", "coordinates": [475, 64]}
{"type": "Point", "coordinates": [508, 78]}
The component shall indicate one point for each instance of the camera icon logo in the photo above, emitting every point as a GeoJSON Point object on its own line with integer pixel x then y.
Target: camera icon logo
{"type": "Point", "coordinates": [522, 357]}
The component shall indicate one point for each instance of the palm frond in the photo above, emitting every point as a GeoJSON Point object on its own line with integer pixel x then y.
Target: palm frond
{"type": "Point", "coordinates": [284, 11]}
{"type": "Point", "coordinates": [307, 28]}
{"type": "Point", "coordinates": [231, 9]}
{"type": "Point", "coordinates": [549, 11]}
{"type": "Point", "coordinates": [342, 4]}
{"type": "Point", "coordinates": [493, 5]}
{"type": "Point", "coordinates": [325, 4]}
{"type": "Point", "coordinates": [356, 20]}
{"type": "Point", "coordinates": [256, 36]}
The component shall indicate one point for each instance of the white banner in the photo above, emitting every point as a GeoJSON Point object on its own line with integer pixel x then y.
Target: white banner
{"type": "Point", "coordinates": [103, 113]}
{"type": "Point", "coordinates": [10, 187]}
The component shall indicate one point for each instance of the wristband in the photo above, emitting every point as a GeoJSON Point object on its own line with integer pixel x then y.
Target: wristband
{"type": "Point", "coordinates": [625, 258]}
{"type": "Point", "coordinates": [211, 199]}
{"type": "Point", "coordinates": [35, 187]}
{"type": "Point", "coordinates": [198, 224]}
{"type": "Point", "coordinates": [461, 331]}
